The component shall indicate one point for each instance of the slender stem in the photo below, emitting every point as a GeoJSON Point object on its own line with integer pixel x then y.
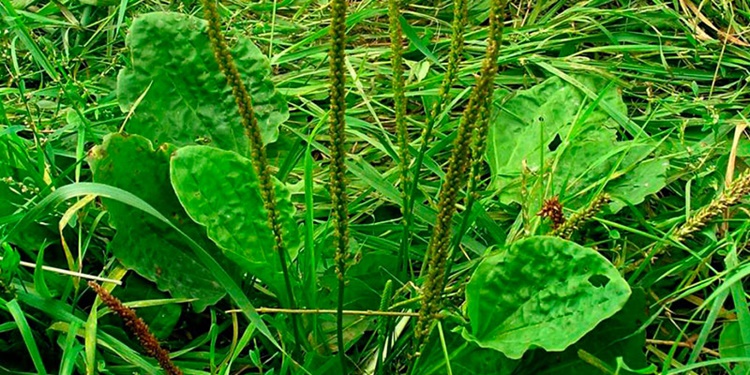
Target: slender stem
{"type": "Point", "coordinates": [340, 325]}
{"type": "Point", "coordinates": [682, 345]}
{"type": "Point", "coordinates": [69, 273]}
{"type": "Point", "coordinates": [275, 310]}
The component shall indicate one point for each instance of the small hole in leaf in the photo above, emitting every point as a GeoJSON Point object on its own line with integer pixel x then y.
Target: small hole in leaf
{"type": "Point", "coordinates": [555, 143]}
{"type": "Point", "coordinates": [599, 281]}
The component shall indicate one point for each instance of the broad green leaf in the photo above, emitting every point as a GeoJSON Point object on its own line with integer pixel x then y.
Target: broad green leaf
{"type": "Point", "coordinates": [582, 163]}
{"type": "Point", "coordinates": [143, 243]}
{"type": "Point", "coordinates": [731, 345]}
{"type": "Point", "coordinates": [541, 292]}
{"type": "Point", "coordinates": [187, 99]}
{"type": "Point", "coordinates": [618, 336]}
{"type": "Point", "coordinates": [529, 122]}
{"type": "Point", "coordinates": [552, 127]}
{"type": "Point", "coordinates": [220, 190]}
{"type": "Point", "coordinates": [588, 162]}
{"type": "Point", "coordinates": [647, 178]}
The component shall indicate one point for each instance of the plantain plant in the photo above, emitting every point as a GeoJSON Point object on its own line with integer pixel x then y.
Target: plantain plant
{"type": "Point", "coordinates": [189, 184]}
{"type": "Point", "coordinates": [224, 197]}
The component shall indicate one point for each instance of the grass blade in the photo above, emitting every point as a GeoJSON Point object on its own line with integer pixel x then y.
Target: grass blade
{"type": "Point", "coordinates": [28, 337]}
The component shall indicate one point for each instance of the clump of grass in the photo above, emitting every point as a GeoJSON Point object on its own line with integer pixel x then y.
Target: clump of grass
{"type": "Point", "coordinates": [658, 96]}
{"type": "Point", "coordinates": [458, 164]}
{"type": "Point", "coordinates": [337, 132]}
{"type": "Point", "coordinates": [138, 328]}
{"type": "Point", "coordinates": [258, 151]}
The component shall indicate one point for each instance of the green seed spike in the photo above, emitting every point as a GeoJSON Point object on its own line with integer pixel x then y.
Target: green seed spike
{"type": "Point", "coordinates": [258, 151]}
{"type": "Point", "coordinates": [383, 324]}
{"type": "Point", "coordinates": [337, 132]}
{"type": "Point", "coordinates": [460, 16]}
{"type": "Point", "coordinates": [737, 190]}
{"type": "Point", "coordinates": [579, 218]}
{"type": "Point", "coordinates": [458, 164]}
{"type": "Point", "coordinates": [399, 100]}
{"type": "Point", "coordinates": [733, 195]}
{"type": "Point", "coordinates": [478, 147]}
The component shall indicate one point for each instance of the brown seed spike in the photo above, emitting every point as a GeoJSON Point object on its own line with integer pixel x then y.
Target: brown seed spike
{"type": "Point", "coordinates": [139, 329]}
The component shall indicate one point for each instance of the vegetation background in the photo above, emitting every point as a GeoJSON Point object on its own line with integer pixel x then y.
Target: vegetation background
{"type": "Point", "coordinates": [673, 77]}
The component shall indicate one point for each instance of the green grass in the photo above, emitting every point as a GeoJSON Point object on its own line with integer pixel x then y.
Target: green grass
{"type": "Point", "coordinates": [682, 77]}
